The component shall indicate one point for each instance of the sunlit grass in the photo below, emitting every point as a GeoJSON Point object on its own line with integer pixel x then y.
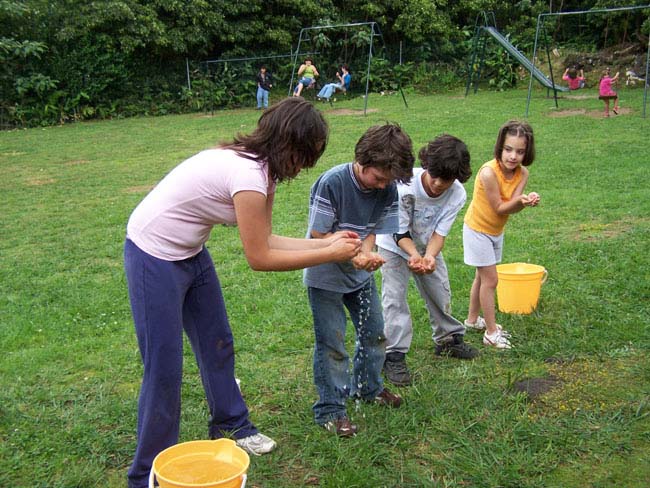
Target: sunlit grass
{"type": "Point", "coordinates": [70, 366]}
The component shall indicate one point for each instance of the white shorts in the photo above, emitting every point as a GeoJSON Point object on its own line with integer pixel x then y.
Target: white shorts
{"type": "Point", "coordinates": [480, 249]}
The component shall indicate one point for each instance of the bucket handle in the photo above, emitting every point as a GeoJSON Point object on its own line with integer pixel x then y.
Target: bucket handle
{"type": "Point", "coordinates": [544, 278]}
{"type": "Point", "coordinates": [151, 479]}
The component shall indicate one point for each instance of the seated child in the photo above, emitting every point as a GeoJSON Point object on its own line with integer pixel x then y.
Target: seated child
{"type": "Point", "coordinates": [428, 207]}
{"type": "Point", "coordinates": [361, 197]}
{"type": "Point", "coordinates": [308, 74]}
{"type": "Point", "coordinates": [343, 84]}
{"type": "Point", "coordinates": [575, 80]}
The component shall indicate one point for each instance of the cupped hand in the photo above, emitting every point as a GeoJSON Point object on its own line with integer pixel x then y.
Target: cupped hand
{"type": "Point", "coordinates": [530, 200]}
{"type": "Point", "coordinates": [369, 261]}
{"type": "Point", "coordinates": [345, 248]}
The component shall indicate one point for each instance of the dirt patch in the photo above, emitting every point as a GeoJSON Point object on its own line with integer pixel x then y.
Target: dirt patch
{"type": "Point", "coordinates": [349, 111]}
{"type": "Point", "coordinates": [40, 181]}
{"type": "Point", "coordinates": [578, 97]}
{"type": "Point", "coordinates": [536, 387]}
{"type": "Point", "coordinates": [596, 114]}
{"type": "Point", "coordinates": [594, 385]}
{"type": "Point", "coordinates": [596, 231]}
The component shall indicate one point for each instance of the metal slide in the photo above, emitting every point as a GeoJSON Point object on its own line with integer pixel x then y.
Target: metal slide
{"type": "Point", "coordinates": [524, 61]}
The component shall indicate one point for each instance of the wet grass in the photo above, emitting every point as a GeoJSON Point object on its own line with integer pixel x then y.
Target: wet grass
{"type": "Point", "coordinates": [70, 367]}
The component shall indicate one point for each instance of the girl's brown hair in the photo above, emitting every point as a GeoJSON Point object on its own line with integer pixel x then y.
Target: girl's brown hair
{"type": "Point", "coordinates": [289, 136]}
{"type": "Point", "coordinates": [516, 128]}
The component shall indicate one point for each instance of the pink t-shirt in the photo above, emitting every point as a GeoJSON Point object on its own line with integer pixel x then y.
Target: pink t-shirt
{"type": "Point", "coordinates": [606, 87]}
{"type": "Point", "coordinates": [574, 83]}
{"type": "Point", "coordinates": [175, 219]}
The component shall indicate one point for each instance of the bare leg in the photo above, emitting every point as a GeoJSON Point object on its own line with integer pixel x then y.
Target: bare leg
{"type": "Point", "coordinates": [298, 90]}
{"type": "Point", "coordinates": [488, 283]}
{"type": "Point", "coordinates": [474, 300]}
{"type": "Point", "coordinates": [606, 100]}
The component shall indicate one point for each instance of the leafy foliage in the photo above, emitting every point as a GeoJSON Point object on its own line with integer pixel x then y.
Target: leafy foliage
{"type": "Point", "coordinates": [66, 60]}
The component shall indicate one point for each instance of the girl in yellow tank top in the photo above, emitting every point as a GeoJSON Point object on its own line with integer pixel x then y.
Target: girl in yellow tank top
{"type": "Point", "coordinates": [498, 192]}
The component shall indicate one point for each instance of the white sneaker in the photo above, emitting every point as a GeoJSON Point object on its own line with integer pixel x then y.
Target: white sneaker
{"type": "Point", "coordinates": [478, 325]}
{"type": "Point", "coordinates": [498, 340]}
{"type": "Point", "coordinates": [257, 444]}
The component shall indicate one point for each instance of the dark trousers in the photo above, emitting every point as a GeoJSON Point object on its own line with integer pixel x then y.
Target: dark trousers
{"type": "Point", "coordinates": [168, 297]}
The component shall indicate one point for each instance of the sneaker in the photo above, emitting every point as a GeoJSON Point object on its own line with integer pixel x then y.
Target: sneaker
{"type": "Point", "coordinates": [456, 348]}
{"type": "Point", "coordinates": [478, 325]}
{"type": "Point", "coordinates": [498, 340]}
{"type": "Point", "coordinates": [257, 444]}
{"type": "Point", "coordinates": [388, 399]}
{"type": "Point", "coordinates": [396, 371]}
{"type": "Point", "coordinates": [341, 426]}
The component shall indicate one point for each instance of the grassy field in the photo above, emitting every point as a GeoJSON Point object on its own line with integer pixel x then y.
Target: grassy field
{"type": "Point", "coordinates": [70, 367]}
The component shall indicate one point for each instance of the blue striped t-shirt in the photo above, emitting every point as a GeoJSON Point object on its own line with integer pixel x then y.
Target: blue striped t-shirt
{"type": "Point", "coordinates": [337, 202]}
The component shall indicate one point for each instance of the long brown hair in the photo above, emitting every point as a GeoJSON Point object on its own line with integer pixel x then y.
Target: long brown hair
{"type": "Point", "coordinates": [290, 136]}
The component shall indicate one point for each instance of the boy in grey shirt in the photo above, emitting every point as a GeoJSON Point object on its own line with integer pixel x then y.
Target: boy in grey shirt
{"type": "Point", "coordinates": [360, 197]}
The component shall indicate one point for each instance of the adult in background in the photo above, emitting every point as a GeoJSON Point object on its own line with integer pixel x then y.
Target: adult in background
{"type": "Point", "coordinates": [264, 85]}
{"type": "Point", "coordinates": [173, 285]}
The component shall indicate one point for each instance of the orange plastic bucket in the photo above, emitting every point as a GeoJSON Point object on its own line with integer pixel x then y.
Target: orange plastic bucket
{"type": "Point", "coordinates": [519, 287]}
{"type": "Point", "coordinates": [201, 464]}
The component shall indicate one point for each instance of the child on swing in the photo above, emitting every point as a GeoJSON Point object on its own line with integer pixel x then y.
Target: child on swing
{"type": "Point", "coordinates": [606, 93]}
{"type": "Point", "coordinates": [498, 192]}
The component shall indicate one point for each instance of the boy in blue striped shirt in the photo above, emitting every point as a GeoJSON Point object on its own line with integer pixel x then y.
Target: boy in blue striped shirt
{"type": "Point", "coordinates": [360, 197]}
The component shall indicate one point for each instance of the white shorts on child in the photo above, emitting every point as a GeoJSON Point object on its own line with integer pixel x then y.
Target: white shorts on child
{"type": "Point", "coordinates": [480, 249]}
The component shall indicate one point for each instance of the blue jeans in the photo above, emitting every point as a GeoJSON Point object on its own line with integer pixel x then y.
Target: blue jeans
{"type": "Point", "coordinates": [328, 90]}
{"type": "Point", "coordinates": [331, 360]}
{"type": "Point", "coordinates": [168, 297]}
{"type": "Point", "coordinates": [262, 97]}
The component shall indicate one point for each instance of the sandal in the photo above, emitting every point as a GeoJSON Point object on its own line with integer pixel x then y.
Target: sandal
{"type": "Point", "coordinates": [615, 110]}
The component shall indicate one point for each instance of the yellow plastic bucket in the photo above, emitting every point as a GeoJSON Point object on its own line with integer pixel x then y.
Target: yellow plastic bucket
{"type": "Point", "coordinates": [519, 287]}
{"type": "Point", "coordinates": [201, 464]}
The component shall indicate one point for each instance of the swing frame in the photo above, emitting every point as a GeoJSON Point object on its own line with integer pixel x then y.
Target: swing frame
{"type": "Point", "coordinates": [374, 32]}
{"type": "Point", "coordinates": [540, 26]}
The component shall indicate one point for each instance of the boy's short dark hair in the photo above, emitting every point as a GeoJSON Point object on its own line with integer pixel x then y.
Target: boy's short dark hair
{"type": "Point", "coordinates": [446, 157]}
{"type": "Point", "coordinates": [387, 147]}
{"type": "Point", "coordinates": [516, 128]}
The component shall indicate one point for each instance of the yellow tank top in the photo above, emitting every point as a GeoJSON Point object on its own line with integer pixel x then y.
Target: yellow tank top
{"type": "Point", "coordinates": [480, 215]}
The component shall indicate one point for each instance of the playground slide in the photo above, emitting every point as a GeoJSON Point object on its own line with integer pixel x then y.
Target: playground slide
{"type": "Point", "coordinates": [524, 61]}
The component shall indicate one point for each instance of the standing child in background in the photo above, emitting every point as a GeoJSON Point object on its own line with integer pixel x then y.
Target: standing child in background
{"type": "Point", "coordinates": [173, 285]}
{"type": "Point", "coordinates": [264, 85]}
{"type": "Point", "coordinates": [428, 206]}
{"type": "Point", "coordinates": [360, 197]}
{"type": "Point", "coordinates": [498, 192]}
{"type": "Point", "coordinates": [575, 80]}
{"type": "Point", "coordinates": [606, 93]}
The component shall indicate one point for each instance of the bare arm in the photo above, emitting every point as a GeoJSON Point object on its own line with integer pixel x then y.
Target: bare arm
{"type": "Point", "coordinates": [491, 185]}
{"type": "Point", "coordinates": [253, 213]}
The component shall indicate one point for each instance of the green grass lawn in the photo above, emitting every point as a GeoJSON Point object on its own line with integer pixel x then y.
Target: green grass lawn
{"type": "Point", "coordinates": [70, 367]}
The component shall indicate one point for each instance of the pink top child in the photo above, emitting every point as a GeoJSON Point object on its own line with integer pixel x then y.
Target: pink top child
{"type": "Point", "coordinates": [606, 81]}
